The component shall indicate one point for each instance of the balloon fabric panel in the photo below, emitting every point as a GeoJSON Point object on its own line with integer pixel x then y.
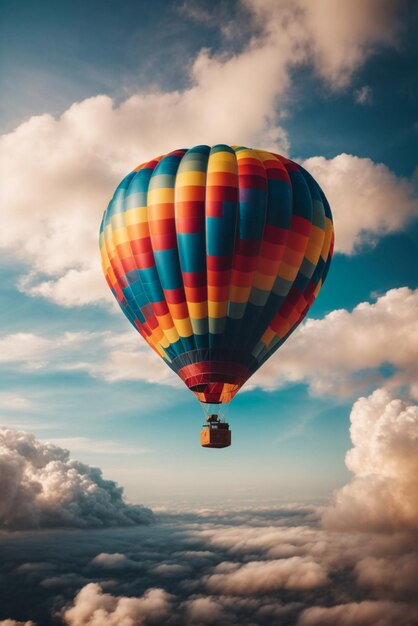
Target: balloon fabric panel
{"type": "Point", "coordinates": [215, 255]}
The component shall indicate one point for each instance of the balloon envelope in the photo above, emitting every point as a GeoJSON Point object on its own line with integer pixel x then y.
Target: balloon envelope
{"type": "Point", "coordinates": [215, 255]}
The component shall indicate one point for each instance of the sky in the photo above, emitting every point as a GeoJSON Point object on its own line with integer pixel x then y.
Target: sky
{"type": "Point", "coordinates": [89, 91]}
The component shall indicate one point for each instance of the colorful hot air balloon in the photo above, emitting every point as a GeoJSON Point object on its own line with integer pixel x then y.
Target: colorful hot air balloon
{"type": "Point", "coordinates": [215, 256]}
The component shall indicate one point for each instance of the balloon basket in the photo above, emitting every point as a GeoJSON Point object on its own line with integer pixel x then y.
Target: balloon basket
{"type": "Point", "coordinates": [215, 434]}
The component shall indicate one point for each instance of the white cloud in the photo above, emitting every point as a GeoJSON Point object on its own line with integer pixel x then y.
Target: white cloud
{"type": "Point", "coordinates": [394, 574]}
{"type": "Point", "coordinates": [59, 174]}
{"type": "Point", "coordinates": [332, 355]}
{"type": "Point", "coordinates": [357, 348]}
{"type": "Point", "coordinates": [76, 287]}
{"type": "Point", "coordinates": [92, 607]}
{"type": "Point", "coordinates": [205, 611]}
{"type": "Point", "coordinates": [266, 576]}
{"type": "Point", "coordinates": [13, 402]}
{"type": "Point", "coordinates": [27, 348]}
{"type": "Point", "coordinates": [340, 354]}
{"type": "Point", "coordinates": [378, 613]}
{"type": "Point", "coordinates": [343, 34]}
{"type": "Point", "coordinates": [40, 486]}
{"type": "Point", "coordinates": [369, 527]}
{"type": "Point", "coordinates": [368, 201]}
{"type": "Point", "coordinates": [336, 37]}
{"type": "Point", "coordinates": [271, 541]}
{"type": "Point", "coordinates": [114, 561]}
{"type": "Point", "coordinates": [383, 494]}
{"type": "Point", "coordinates": [36, 351]}
{"type": "Point", "coordinates": [73, 163]}
{"type": "Point", "coordinates": [128, 357]}
{"type": "Point", "coordinates": [112, 357]}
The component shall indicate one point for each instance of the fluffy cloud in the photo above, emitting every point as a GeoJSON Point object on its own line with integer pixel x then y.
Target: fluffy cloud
{"type": "Point", "coordinates": [75, 162]}
{"type": "Point", "coordinates": [265, 576]}
{"type": "Point", "coordinates": [76, 287]}
{"type": "Point", "coordinates": [105, 355]}
{"type": "Point", "coordinates": [40, 486]}
{"type": "Point", "coordinates": [356, 343]}
{"type": "Point", "coordinates": [94, 608]}
{"type": "Point", "coordinates": [71, 164]}
{"type": "Point", "coordinates": [329, 354]}
{"type": "Point", "coordinates": [335, 37]}
{"type": "Point", "coordinates": [129, 358]}
{"type": "Point", "coordinates": [342, 35]}
{"type": "Point", "coordinates": [392, 576]}
{"type": "Point", "coordinates": [205, 611]}
{"type": "Point", "coordinates": [383, 495]}
{"type": "Point", "coordinates": [365, 613]}
{"type": "Point", "coordinates": [36, 351]}
{"type": "Point", "coordinates": [363, 195]}
{"type": "Point", "coordinates": [114, 561]}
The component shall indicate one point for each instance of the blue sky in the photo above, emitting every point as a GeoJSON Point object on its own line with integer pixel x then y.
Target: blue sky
{"type": "Point", "coordinates": [73, 370]}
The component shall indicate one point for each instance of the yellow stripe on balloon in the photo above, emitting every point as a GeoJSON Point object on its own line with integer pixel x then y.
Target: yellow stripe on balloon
{"type": "Point", "coordinates": [138, 215]}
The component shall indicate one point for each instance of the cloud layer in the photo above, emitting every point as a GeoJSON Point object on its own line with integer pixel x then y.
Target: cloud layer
{"type": "Point", "coordinates": [381, 613]}
{"type": "Point", "coordinates": [266, 576]}
{"type": "Point", "coordinates": [40, 486]}
{"type": "Point", "coordinates": [353, 562]}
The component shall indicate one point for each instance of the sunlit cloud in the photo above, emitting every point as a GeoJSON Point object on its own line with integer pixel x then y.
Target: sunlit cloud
{"type": "Point", "coordinates": [363, 613]}
{"type": "Point", "coordinates": [383, 495]}
{"type": "Point", "coordinates": [343, 353]}
{"type": "Point", "coordinates": [358, 355]}
{"type": "Point", "coordinates": [152, 608]}
{"type": "Point", "coordinates": [263, 576]}
{"type": "Point", "coordinates": [100, 354]}
{"type": "Point", "coordinates": [363, 195]}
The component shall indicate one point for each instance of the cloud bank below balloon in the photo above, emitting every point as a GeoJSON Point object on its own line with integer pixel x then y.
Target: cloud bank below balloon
{"type": "Point", "coordinates": [353, 561]}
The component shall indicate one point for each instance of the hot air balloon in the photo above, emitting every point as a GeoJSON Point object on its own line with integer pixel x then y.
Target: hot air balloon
{"type": "Point", "coordinates": [215, 255]}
